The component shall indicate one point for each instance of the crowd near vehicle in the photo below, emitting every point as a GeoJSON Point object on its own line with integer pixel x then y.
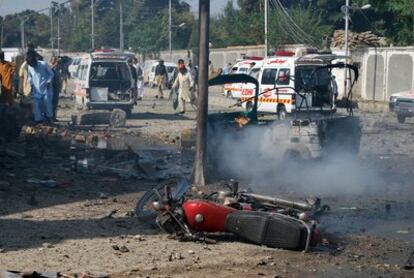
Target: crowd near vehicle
{"type": "Point", "coordinates": [104, 81]}
{"type": "Point", "coordinates": [171, 70]}
{"type": "Point", "coordinates": [402, 104]}
{"type": "Point", "coordinates": [259, 219]}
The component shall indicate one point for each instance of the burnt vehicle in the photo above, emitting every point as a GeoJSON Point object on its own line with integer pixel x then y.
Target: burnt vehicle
{"type": "Point", "coordinates": [309, 133]}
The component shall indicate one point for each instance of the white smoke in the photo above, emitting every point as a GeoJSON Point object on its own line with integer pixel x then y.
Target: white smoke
{"type": "Point", "coordinates": [257, 156]}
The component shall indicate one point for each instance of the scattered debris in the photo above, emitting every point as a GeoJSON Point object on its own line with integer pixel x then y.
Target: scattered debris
{"type": "Point", "coordinates": [139, 238]}
{"type": "Point", "coordinates": [47, 182]}
{"type": "Point", "coordinates": [410, 262]}
{"type": "Point", "coordinates": [122, 248]}
{"type": "Point", "coordinates": [175, 256]}
{"type": "Point", "coordinates": [110, 214]}
{"type": "Point", "coordinates": [48, 245]}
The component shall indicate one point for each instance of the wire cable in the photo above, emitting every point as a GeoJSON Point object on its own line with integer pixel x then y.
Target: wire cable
{"type": "Point", "coordinates": [295, 26]}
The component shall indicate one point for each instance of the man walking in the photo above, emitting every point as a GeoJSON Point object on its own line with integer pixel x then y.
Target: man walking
{"type": "Point", "coordinates": [7, 70]}
{"type": "Point", "coordinates": [40, 78]}
{"type": "Point", "coordinates": [184, 82]}
{"type": "Point", "coordinates": [160, 78]}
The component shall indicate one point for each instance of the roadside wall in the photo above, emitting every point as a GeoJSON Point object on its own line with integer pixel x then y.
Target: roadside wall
{"type": "Point", "coordinates": [218, 56]}
{"type": "Point", "coordinates": [386, 71]}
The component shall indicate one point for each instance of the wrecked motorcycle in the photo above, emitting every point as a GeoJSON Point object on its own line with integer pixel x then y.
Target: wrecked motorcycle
{"type": "Point", "coordinates": [259, 219]}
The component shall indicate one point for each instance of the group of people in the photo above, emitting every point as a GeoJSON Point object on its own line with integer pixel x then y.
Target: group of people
{"type": "Point", "coordinates": [184, 82]}
{"type": "Point", "coordinates": [39, 84]}
{"type": "Point", "coordinates": [138, 77]}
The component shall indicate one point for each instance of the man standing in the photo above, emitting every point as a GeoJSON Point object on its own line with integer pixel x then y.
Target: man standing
{"type": "Point", "coordinates": [334, 87]}
{"type": "Point", "coordinates": [134, 74]}
{"type": "Point", "coordinates": [140, 82]}
{"type": "Point", "coordinates": [7, 70]}
{"type": "Point", "coordinates": [184, 82]}
{"type": "Point", "coordinates": [40, 78]}
{"type": "Point", "coordinates": [160, 78]}
{"type": "Point", "coordinates": [55, 66]}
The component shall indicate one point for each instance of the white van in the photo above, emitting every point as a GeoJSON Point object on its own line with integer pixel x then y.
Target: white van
{"type": "Point", "coordinates": [250, 67]}
{"type": "Point", "coordinates": [171, 69]}
{"type": "Point", "coordinates": [282, 82]}
{"type": "Point", "coordinates": [104, 81]}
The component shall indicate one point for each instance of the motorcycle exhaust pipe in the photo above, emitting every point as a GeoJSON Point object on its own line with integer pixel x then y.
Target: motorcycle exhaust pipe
{"type": "Point", "coordinates": [280, 202]}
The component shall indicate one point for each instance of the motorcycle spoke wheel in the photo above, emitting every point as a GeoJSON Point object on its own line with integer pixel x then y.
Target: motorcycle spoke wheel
{"type": "Point", "coordinates": [144, 210]}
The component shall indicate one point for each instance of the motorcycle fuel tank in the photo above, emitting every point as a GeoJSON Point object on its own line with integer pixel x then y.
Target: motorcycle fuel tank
{"type": "Point", "coordinates": [206, 216]}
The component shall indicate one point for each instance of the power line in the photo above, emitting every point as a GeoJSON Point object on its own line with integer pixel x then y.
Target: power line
{"type": "Point", "coordinates": [292, 32]}
{"type": "Point", "coordinates": [291, 24]}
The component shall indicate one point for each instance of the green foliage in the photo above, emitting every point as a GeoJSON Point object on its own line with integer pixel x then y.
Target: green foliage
{"type": "Point", "coordinates": [146, 23]}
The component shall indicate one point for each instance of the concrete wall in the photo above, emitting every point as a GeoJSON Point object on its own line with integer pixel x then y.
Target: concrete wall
{"type": "Point", "coordinates": [218, 56]}
{"type": "Point", "coordinates": [386, 71]}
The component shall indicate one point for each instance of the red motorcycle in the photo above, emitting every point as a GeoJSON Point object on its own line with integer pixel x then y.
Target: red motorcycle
{"type": "Point", "coordinates": [259, 219]}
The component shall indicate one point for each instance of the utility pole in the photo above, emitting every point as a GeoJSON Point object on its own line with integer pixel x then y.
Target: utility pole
{"type": "Point", "coordinates": [121, 26]}
{"type": "Point", "coordinates": [58, 31]}
{"type": "Point", "coordinates": [92, 24]}
{"type": "Point", "coordinates": [22, 21]}
{"type": "Point", "coordinates": [51, 27]}
{"type": "Point", "coordinates": [2, 33]}
{"type": "Point", "coordinates": [266, 5]}
{"type": "Point", "coordinates": [170, 29]}
{"type": "Point", "coordinates": [202, 111]}
{"type": "Point", "coordinates": [347, 7]}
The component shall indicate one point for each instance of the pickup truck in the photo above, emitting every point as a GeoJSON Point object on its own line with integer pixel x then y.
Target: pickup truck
{"type": "Point", "coordinates": [402, 104]}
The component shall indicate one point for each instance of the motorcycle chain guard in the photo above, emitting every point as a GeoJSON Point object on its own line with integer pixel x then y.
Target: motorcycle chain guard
{"type": "Point", "coordinates": [269, 229]}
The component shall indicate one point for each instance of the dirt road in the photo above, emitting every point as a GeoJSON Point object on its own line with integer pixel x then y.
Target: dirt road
{"type": "Point", "coordinates": [55, 218]}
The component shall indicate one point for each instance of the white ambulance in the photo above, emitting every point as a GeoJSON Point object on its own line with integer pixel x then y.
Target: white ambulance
{"type": "Point", "coordinates": [285, 80]}
{"type": "Point", "coordinates": [104, 81]}
{"type": "Point", "coordinates": [249, 66]}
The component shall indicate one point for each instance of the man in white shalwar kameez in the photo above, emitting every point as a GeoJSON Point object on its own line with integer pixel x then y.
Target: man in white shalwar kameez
{"type": "Point", "coordinates": [184, 82]}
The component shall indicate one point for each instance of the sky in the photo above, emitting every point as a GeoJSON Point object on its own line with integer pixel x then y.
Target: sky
{"type": "Point", "coordinates": [13, 6]}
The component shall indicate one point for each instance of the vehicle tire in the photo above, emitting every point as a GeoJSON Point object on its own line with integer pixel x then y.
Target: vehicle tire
{"type": "Point", "coordinates": [281, 112]}
{"type": "Point", "coordinates": [117, 118]}
{"type": "Point", "coordinates": [249, 106]}
{"type": "Point", "coordinates": [143, 208]}
{"type": "Point", "coordinates": [401, 118]}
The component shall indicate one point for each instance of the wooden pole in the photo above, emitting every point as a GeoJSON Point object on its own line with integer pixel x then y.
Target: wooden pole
{"type": "Point", "coordinates": [202, 112]}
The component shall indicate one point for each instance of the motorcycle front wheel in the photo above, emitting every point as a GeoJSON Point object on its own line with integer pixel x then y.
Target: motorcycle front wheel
{"type": "Point", "coordinates": [144, 208]}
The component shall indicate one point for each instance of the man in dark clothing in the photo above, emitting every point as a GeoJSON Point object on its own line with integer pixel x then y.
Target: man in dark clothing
{"type": "Point", "coordinates": [56, 84]}
{"type": "Point", "coordinates": [134, 78]}
{"type": "Point", "coordinates": [160, 78]}
{"type": "Point", "coordinates": [31, 48]}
